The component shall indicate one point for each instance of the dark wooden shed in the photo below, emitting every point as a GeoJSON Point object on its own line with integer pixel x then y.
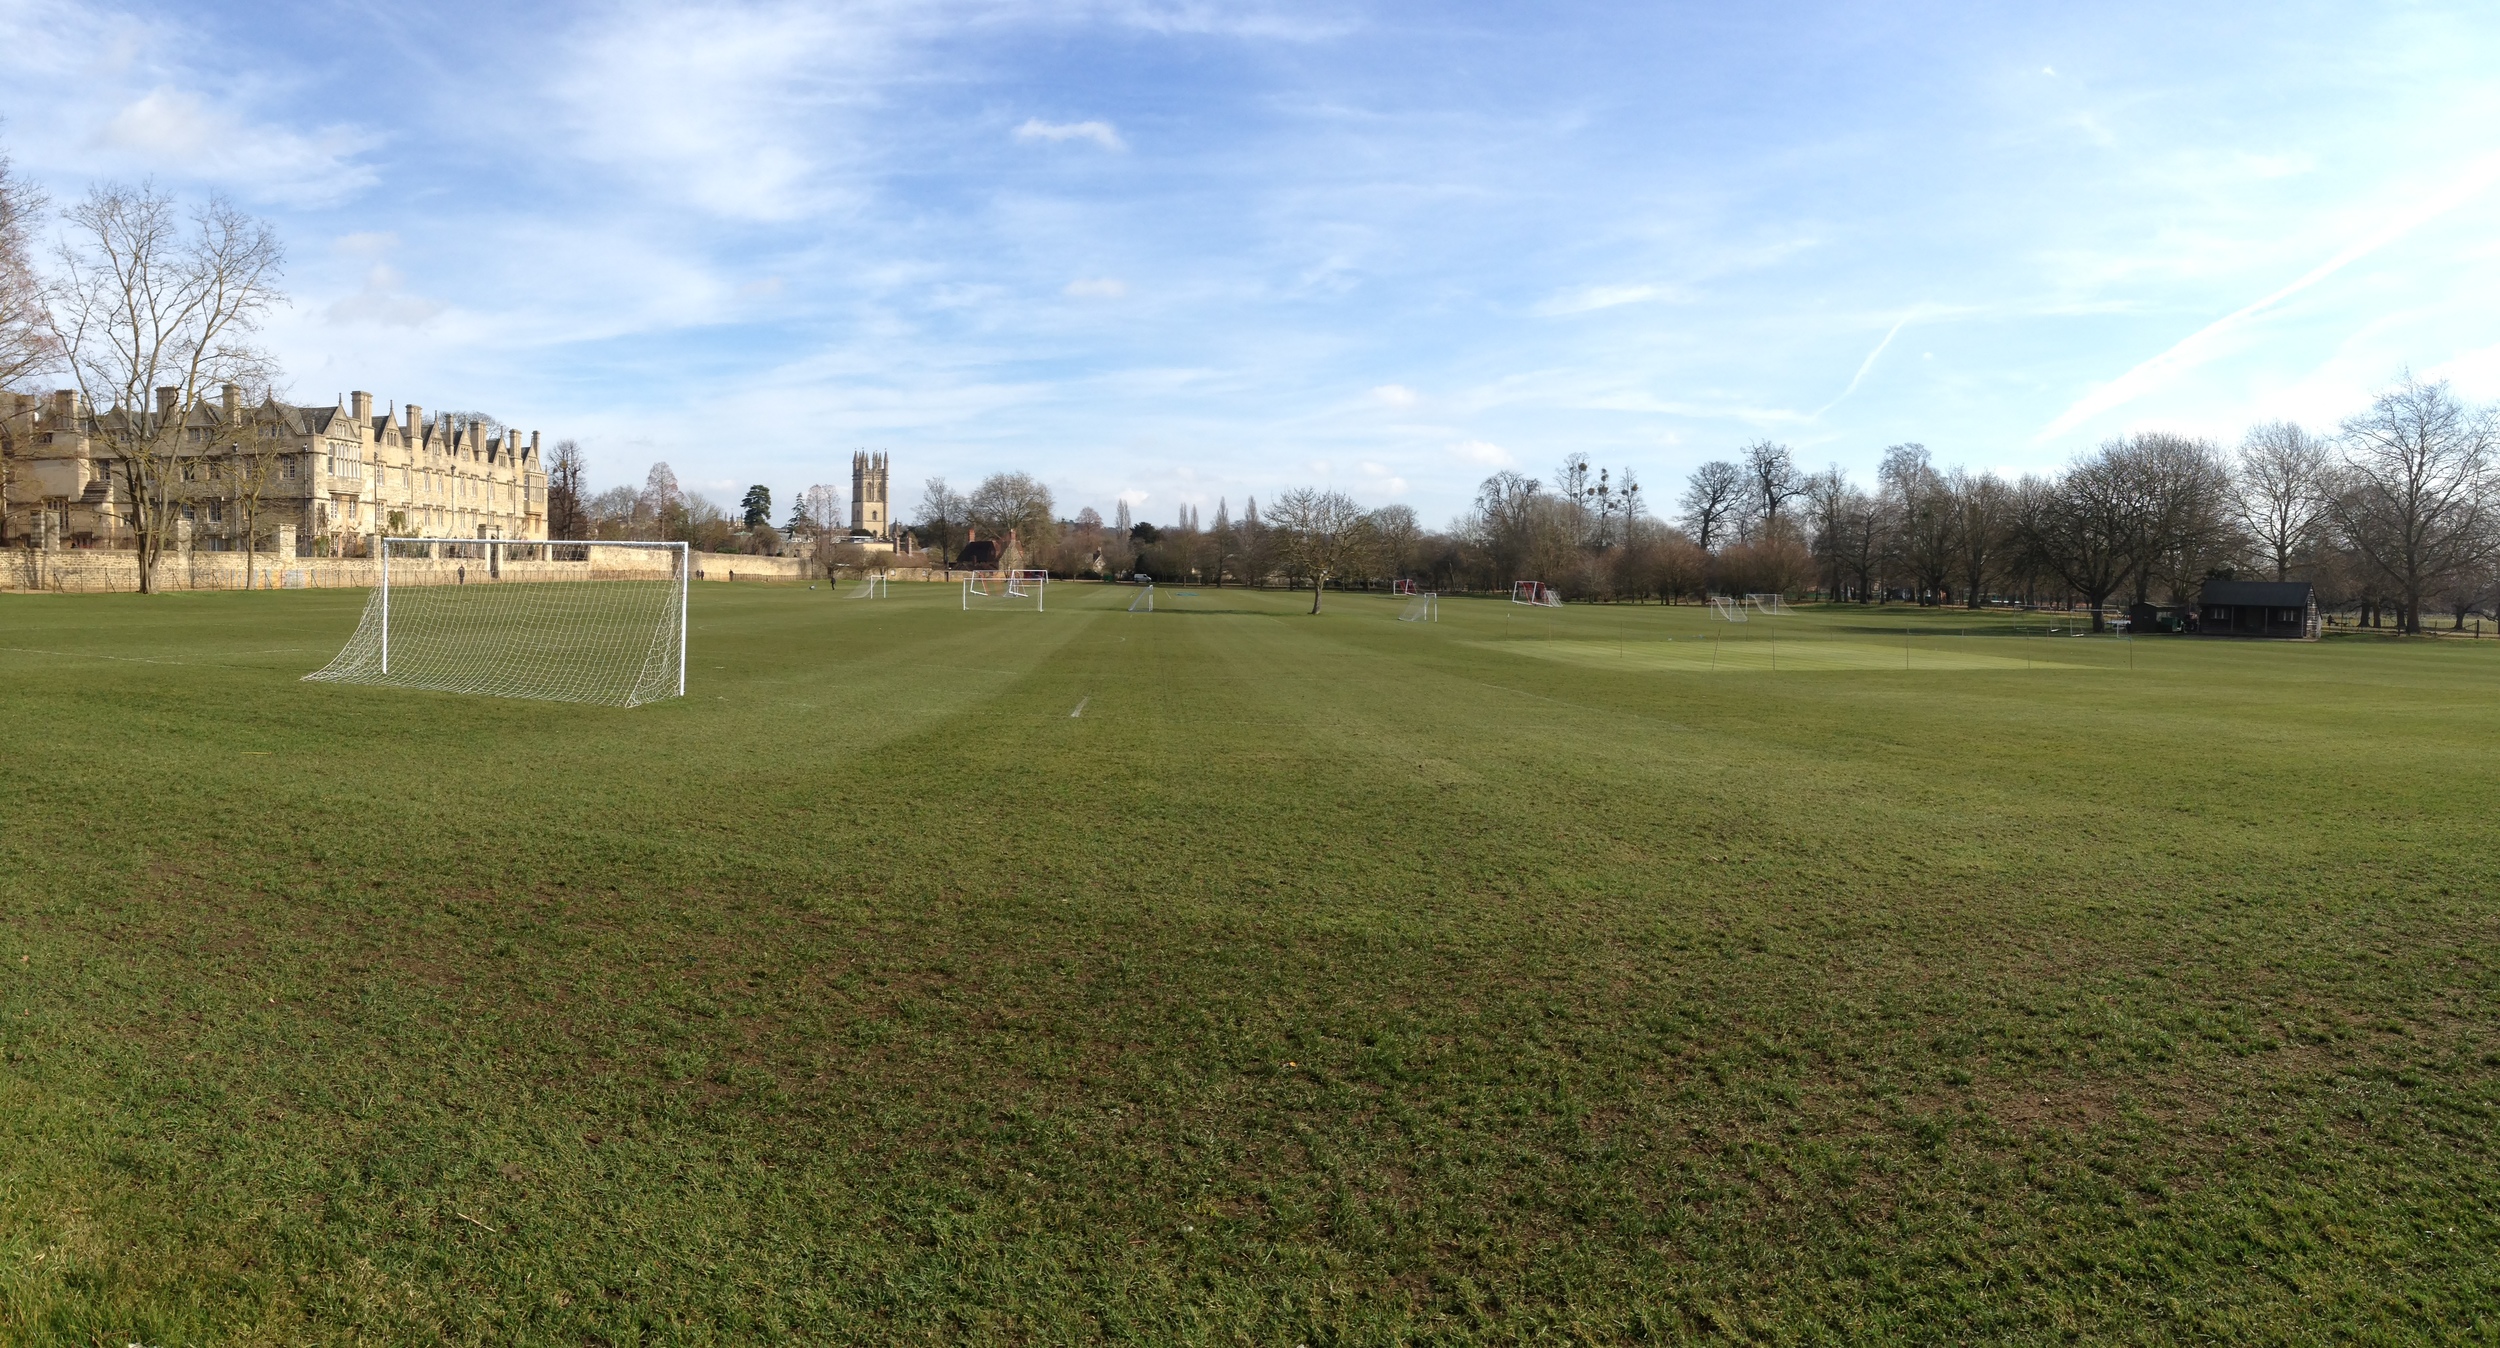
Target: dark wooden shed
{"type": "Point", "coordinates": [2286, 610]}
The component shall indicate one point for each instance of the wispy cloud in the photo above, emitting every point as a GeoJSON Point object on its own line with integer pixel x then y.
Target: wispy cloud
{"type": "Point", "coordinates": [1101, 133]}
{"type": "Point", "coordinates": [2207, 342]}
{"type": "Point", "coordinates": [1097, 288]}
{"type": "Point", "coordinates": [1590, 299]}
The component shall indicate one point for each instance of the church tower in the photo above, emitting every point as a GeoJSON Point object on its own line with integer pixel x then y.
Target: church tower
{"type": "Point", "coordinates": [868, 496]}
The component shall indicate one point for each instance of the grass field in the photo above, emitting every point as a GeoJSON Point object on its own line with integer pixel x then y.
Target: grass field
{"type": "Point", "coordinates": [1590, 975]}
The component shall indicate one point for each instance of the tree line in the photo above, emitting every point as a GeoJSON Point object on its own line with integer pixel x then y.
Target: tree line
{"type": "Point", "coordinates": [2395, 514]}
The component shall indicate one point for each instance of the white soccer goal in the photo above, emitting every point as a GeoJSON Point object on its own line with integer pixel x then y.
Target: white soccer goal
{"type": "Point", "coordinates": [1727, 608]}
{"type": "Point", "coordinates": [1535, 592]}
{"type": "Point", "coordinates": [1768, 605]}
{"type": "Point", "coordinates": [1424, 607]}
{"type": "Point", "coordinates": [1403, 587]}
{"type": "Point", "coordinates": [1144, 602]}
{"type": "Point", "coordinates": [871, 586]}
{"type": "Point", "coordinates": [593, 622]}
{"type": "Point", "coordinates": [1005, 589]}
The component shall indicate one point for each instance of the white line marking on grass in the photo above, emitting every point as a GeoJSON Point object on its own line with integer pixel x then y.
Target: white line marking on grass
{"type": "Point", "coordinates": [1080, 708]}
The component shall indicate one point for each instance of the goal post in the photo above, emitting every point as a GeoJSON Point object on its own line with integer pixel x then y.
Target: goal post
{"type": "Point", "coordinates": [1005, 585]}
{"type": "Point", "coordinates": [1423, 607]}
{"type": "Point", "coordinates": [1535, 593]}
{"type": "Point", "coordinates": [566, 620]}
{"type": "Point", "coordinates": [1405, 587]}
{"type": "Point", "coordinates": [1727, 608]}
{"type": "Point", "coordinates": [1769, 605]}
{"type": "Point", "coordinates": [871, 586]}
{"type": "Point", "coordinates": [1144, 602]}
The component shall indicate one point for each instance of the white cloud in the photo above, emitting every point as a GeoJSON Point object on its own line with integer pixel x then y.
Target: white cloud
{"type": "Point", "coordinates": [1589, 299]}
{"type": "Point", "coordinates": [384, 301]}
{"type": "Point", "coordinates": [1101, 133]}
{"type": "Point", "coordinates": [176, 131]}
{"type": "Point", "coordinates": [369, 244]}
{"type": "Point", "coordinates": [1395, 395]}
{"type": "Point", "coordinates": [732, 110]}
{"type": "Point", "coordinates": [1097, 288]}
{"type": "Point", "coordinates": [1484, 452]}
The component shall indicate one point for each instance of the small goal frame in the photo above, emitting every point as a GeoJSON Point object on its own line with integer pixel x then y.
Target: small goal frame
{"type": "Point", "coordinates": [1404, 587]}
{"type": "Point", "coordinates": [1422, 606]}
{"type": "Point", "coordinates": [1031, 585]}
{"type": "Point", "coordinates": [1731, 609]}
{"type": "Point", "coordinates": [871, 586]}
{"type": "Point", "coordinates": [1144, 602]}
{"type": "Point", "coordinates": [1535, 594]}
{"type": "Point", "coordinates": [1768, 605]}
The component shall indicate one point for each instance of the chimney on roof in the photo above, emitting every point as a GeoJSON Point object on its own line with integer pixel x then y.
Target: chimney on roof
{"type": "Point", "coordinates": [230, 399]}
{"type": "Point", "coordinates": [362, 402]}
{"type": "Point", "coordinates": [533, 446]}
{"type": "Point", "coordinates": [65, 408]}
{"type": "Point", "coordinates": [416, 423]}
{"type": "Point", "coordinates": [167, 399]}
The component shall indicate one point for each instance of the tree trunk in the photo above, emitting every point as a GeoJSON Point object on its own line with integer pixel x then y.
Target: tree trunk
{"type": "Point", "coordinates": [1319, 586]}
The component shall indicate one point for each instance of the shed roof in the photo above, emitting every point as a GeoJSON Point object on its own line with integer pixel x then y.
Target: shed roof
{"type": "Point", "coordinates": [2257, 593]}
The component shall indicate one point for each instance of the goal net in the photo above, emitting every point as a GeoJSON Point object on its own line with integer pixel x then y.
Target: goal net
{"type": "Point", "coordinates": [1005, 589]}
{"type": "Point", "coordinates": [1144, 602]}
{"type": "Point", "coordinates": [1727, 608]}
{"type": "Point", "coordinates": [567, 622]}
{"type": "Point", "coordinates": [871, 586]}
{"type": "Point", "coordinates": [1422, 608]}
{"type": "Point", "coordinates": [1769, 605]}
{"type": "Point", "coordinates": [1403, 587]}
{"type": "Point", "coordinates": [1535, 592]}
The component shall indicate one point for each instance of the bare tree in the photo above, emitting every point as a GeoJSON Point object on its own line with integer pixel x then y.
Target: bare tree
{"type": "Point", "coordinates": [662, 511]}
{"type": "Point", "coordinates": [1925, 526]}
{"type": "Point", "coordinates": [1394, 532]}
{"type": "Point", "coordinates": [2185, 530]}
{"type": "Point", "coordinates": [1504, 518]}
{"type": "Point", "coordinates": [1981, 509]}
{"type": "Point", "coordinates": [2085, 526]}
{"type": "Point", "coordinates": [1017, 504]}
{"type": "Point", "coordinates": [2281, 491]}
{"type": "Point", "coordinates": [1323, 534]}
{"type": "Point", "coordinates": [247, 469]}
{"type": "Point", "coordinates": [568, 514]}
{"type": "Point", "coordinates": [1772, 477]}
{"type": "Point", "coordinates": [26, 345]}
{"type": "Point", "coordinates": [150, 312]}
{"type": "Point", "coordinates": [2418, 501]}
{"type": "Point", "coordinates": [820, 510]}
{"type": "Point", "coordinates": [941, 518]}
{"type": "Point", "coordinates": [1712, 497]}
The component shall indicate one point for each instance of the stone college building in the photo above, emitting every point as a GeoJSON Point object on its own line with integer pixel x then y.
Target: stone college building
{"type": "Point", "coordinates": [323, 481]}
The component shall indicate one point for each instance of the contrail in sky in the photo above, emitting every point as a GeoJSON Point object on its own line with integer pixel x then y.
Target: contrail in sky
{"type": "Point", "coordinates": [2200, 346]}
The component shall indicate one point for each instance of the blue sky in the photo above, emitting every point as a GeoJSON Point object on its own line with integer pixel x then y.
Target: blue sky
{"type": "Point", "coordinates": [1190, 251]}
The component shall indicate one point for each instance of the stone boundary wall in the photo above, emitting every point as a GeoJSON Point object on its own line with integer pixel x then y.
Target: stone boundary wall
{"type": "Point", "coordinates": [81, 571]}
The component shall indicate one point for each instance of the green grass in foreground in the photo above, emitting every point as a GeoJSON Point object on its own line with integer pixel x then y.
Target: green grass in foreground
{"type": "Point", "coordinates": [1586, 976]}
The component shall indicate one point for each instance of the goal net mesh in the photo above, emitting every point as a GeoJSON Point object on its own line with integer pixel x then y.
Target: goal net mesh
{"type": "Point", "coordinates": [563, 622]}
{"type": "Point", "coordinates": [1727, 608]}
{"type": "Point", "coordinates": [1422, 608]}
